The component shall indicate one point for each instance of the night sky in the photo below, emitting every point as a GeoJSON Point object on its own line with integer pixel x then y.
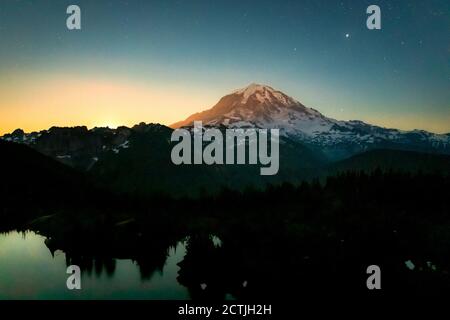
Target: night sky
{"type": "Point", "coordinates": [160, 61]}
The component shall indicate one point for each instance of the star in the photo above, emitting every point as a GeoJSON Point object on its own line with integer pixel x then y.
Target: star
{"type": "Point", "coordinates": [347, 35]}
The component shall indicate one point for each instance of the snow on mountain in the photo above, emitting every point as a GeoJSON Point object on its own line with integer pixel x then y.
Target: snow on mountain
{"type": "Point", "coordinates": [264, 107]}
{"type": "Point", "coordinates": [257, 105]}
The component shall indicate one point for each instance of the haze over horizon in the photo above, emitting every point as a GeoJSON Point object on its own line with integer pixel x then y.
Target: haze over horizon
{"type": "Point", "coordinates": [161, 61]}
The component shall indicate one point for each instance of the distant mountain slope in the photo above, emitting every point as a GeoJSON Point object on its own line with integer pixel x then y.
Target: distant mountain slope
{"type": "Point", "coordinates": [264, 107]}
{"type": "Point", "coordinates": [77, 147]}
{"type": "Point", "coordinates": [32, 182]}
{"type": "Point", "coordinates": [397, 160]}
{"type": "Point", "coordinates": [145, 167]}
{"type": "Point", "coordinates": [23, 167]}
{"type": "Point", "coordinates": [137, 160]}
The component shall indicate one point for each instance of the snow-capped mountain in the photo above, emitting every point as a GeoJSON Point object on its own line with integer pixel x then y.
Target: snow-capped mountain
{"type": "Point", "coordinates": [264, 107]}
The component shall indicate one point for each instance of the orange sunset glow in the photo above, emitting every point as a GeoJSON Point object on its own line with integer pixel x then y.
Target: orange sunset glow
{"type": "Point", "coordinates": [64, 101]}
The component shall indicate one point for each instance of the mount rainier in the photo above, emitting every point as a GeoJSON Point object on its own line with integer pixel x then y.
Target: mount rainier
{"type": "Point", "coordinates": [262, 106]}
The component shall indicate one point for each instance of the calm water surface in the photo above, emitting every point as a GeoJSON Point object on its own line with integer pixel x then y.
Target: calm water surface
{"type": "Point", "coordinates": [29, 271]}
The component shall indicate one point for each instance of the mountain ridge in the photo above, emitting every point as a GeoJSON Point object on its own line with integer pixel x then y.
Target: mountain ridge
{"type": "Point", "coordinates": [262, 106]}
{"type": "Point", "coordinates": [304, 132]}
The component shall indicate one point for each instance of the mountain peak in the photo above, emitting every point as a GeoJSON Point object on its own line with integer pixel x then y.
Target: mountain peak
{"type": "Point", "coordinates": [255, 105]}
{"type": "Point", "coordinates": [253, 88]}
{"type": "Point", "coordinates": [260, 93]}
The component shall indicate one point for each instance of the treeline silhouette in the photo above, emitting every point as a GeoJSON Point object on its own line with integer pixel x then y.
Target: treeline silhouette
{"type": "Point", "coordinates": [319, 238]}
{"type": "Point", "coordinates": [315, 238]}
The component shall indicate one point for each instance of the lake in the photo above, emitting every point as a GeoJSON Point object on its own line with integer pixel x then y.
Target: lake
{"type": "Point", "coordinates": [28, 270]}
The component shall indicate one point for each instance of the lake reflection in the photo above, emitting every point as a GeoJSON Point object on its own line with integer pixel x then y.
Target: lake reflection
{"type": "Point", "coordinates": [30, 270]}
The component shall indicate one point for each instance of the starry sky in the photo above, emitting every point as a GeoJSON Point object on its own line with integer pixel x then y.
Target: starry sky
{"type": "Point", "coordinates": [160, 61]}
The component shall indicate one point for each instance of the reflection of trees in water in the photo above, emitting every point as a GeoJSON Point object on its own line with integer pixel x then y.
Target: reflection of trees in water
{"type": "Point", "coordinates": [98, 254]}
{"type": "Point", "coordinates": [209, 269]}
{"type": "Point", "coordinates": [220, 265]}
{"type": "Point", "coordinates": [207, 260]}
{"type": "Point", "coordinates": [152, 260]}
{"type": "Point", "coordinates": [89, 264]}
